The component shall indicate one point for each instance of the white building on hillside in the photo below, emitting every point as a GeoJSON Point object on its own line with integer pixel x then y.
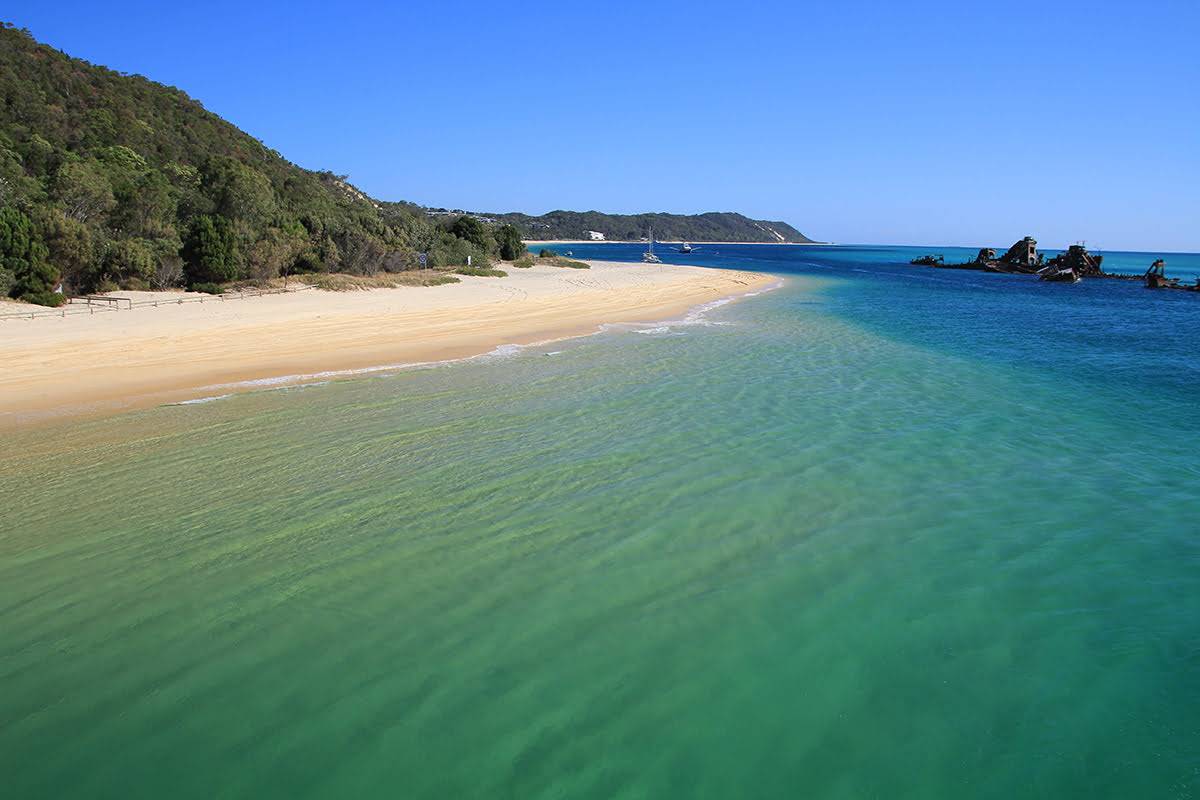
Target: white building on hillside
{"type": "Point", "coordinates": [596, 236]}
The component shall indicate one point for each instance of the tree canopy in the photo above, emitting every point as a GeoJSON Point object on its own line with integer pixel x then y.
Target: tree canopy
{"type": "Point", "coordinates": [23, 265]}
{"type": "Point", "coordinates": [122, 177]}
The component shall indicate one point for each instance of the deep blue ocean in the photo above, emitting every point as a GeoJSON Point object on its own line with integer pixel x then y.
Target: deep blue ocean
{"type": "Point", "coordinates": [883, 531]}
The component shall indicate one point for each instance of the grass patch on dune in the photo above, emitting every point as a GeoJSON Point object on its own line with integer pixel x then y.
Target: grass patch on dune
{"type": "Point", "coordinates": [549, 258]}
{"type": "Point", "coordinates": [338, 282]}
{"type": "Point", "coordinates": [563, 261]}
{"type": "Point", "coordinates": [482, 273]}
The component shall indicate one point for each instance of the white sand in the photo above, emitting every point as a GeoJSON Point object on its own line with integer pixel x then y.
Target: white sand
{"type": "Point", "coordinates": [55, 367]}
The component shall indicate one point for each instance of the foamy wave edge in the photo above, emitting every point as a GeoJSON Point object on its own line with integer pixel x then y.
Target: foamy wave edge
{"type": "Point", "coordinates": [694, 316]}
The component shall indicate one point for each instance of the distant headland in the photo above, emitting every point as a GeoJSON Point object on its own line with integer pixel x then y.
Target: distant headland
{"type": "Point", "coordinates": [712, 227]}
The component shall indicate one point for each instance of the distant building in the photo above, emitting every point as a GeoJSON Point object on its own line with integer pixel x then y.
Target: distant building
{"type": "Point", "coordinates": [595, 236]}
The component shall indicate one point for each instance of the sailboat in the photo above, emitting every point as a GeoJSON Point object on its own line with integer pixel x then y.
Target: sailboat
{"type": "Point", "coordinates": [649, 257]}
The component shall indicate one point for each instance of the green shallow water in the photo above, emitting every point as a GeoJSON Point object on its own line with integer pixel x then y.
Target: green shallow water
{"type": "Point", "coordinates": [777, 555]}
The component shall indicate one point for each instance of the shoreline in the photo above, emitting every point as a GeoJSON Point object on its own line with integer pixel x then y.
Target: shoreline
{"type": "Point", "coordinates": [532, 243]}
{"type": "Point", "coordinates": [62, 368]}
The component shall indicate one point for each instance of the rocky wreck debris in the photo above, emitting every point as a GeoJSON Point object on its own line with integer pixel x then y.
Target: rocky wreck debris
{"type": "Point", "coordinates": [1078, 259]}
{"type": "Point", "coordinates": [1156, 279]}
{"type": "Point", "coordinates": [1023, 258]}
{"type": "Point", "coordinates": [1070, 266]}
{"type": "Point", "coordinates": [1054, 274]}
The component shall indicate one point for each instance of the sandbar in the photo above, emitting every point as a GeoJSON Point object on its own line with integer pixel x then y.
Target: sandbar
{"type": "Point", "coordinates": [54, 368]}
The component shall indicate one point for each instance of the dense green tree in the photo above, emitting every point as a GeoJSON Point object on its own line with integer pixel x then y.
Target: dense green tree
{"type": "Point", "coordinates": [130, 262]}
{"type": "Point", "coordinates": [70, 244]}
{"type": "Point", "coordinates": [15, 187]}
{"type": "Point", "coordinates": [83, 190]}
{"type": "Point", "coordinates": [23, 260]}
{"type": "Point", "coordinates": [242, 194]}
{"type": "Point", "coordinates": [209, 252]}
{"type": "Point", "coordinates": [473, 231]}
{"type": "Point", "coordinates": [276, 252]}
{"type": "Point", "coordinates": [509, 239]}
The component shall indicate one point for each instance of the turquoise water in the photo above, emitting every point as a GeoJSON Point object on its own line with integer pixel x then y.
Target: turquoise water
{"type": "Point", "coordinates": [884, 531]}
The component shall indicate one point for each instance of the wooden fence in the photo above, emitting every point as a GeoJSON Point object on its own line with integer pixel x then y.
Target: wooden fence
{"type": "Point", "coordinates": [93, 303]}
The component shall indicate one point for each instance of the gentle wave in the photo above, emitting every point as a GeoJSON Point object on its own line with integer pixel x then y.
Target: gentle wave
{"type": "Point", "coordinates": [694, 316]}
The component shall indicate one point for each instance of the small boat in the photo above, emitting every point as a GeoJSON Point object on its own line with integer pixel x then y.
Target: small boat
{"type": "Point", "coordinates": [928, 261]}
{"type": "Point", "coordinates": [649, 256]}
{"type": "Point", "coordinates": [685, 248]}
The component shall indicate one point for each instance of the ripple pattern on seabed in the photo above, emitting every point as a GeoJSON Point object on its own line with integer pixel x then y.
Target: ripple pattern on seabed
{"type": "Point", "coordinates": [860, 535]}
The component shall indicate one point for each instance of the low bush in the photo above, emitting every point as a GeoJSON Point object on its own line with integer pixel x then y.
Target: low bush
{"type": "Point", "coordinates": [561, 261]}
{"type": "Point", "coordinates": [51, 299]}
{"type": "Point", "coordinates": [337, 282]}
{"type": "Point", "coordinates": [482, 273]}
{"type": "Point", "coordinates": [524, 262]}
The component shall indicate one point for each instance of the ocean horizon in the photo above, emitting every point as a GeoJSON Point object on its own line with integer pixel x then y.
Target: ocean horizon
{"type": "Point", "coordinates": [884, 530]}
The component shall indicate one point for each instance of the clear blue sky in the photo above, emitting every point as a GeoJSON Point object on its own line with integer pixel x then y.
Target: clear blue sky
{"type": "Point", "coordinates": [891, 122]}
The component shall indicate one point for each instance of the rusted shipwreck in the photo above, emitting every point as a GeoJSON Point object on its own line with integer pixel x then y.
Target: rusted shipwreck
{"type": "Point", "coordinates": [1070, 266]}
{"type": "Point", "coordinates": [1023, 258]}
{"type": "Point", "coordinates": [1156, 278]}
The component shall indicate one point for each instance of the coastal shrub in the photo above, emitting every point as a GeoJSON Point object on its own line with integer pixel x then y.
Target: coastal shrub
{"type": "Point", "coordinates": [209, 288]}
{"type": "Point", "coordinates": [129, 262]}
{"type": "Point", "coordinates": [547, 253]}
{"type": "Point", "coordinates": [482, 273]}
{"type": "Point", "coordinates": [509, 239]}
{"type": "Point", "coordinates": [341, 282]}
{"type": "Point", "coordinates": [307, 262]}
{"type": "Point", "coordinates": [524, 262]}
{"type": "Point", "coordinates": [51, 299]}
{"type": "Point", "coordinates": [561, 261]}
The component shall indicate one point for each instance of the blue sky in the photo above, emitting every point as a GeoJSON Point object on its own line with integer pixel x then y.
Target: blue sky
{"type": "Point", "coordinates": [908, 123]}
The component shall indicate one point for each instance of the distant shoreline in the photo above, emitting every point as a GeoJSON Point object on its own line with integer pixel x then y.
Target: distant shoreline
{"type": "Point", "coordinates": [535, 242]}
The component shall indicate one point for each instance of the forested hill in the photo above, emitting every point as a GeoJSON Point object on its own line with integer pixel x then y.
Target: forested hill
{"type": "Point", "coordinates": [110, 180]}
{"type": "Point", "coordinates": [711, 227]}
{"type": "Point", "coordinates": [115, 180]}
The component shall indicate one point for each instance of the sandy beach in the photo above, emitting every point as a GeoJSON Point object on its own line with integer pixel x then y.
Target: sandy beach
{"type": "Point", "coordinates": [112, 361]}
